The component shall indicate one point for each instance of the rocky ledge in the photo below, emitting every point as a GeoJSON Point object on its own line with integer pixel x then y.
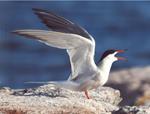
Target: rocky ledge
{"type": "Point", "coordinates": [50, 100]}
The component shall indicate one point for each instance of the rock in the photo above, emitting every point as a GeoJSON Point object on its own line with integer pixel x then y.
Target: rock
{"type": "Point", "coordinates": [134, 85]}
{"type": "Point", "coordinates": [6, 90]}
{"type": "Point", "coordinates": [49, 100]}
{"type": "Point", "coordinates": [144, 99]}
{"type": "Point", "coordinates": [133, 110]}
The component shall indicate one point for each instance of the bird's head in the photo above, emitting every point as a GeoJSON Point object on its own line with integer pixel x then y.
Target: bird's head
{"type": "Point", "coordinates": [111, 55]}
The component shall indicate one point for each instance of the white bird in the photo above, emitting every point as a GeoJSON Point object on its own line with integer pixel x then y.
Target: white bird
{"type": "Point", "coordinates": [80, 46]}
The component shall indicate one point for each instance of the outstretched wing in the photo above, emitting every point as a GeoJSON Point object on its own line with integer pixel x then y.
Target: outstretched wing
{"type": "Point", "coordinates": [80, 49]}
{"type": "Point", "coordinates": [60, 24]}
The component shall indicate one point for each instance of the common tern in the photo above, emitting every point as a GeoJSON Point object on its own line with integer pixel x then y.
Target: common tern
{"type": "Point", "coordinates": [80, 46]}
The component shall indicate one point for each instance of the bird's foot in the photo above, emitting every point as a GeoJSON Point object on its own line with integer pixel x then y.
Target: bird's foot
{"type": "Point", "coordinates": [86, 94]}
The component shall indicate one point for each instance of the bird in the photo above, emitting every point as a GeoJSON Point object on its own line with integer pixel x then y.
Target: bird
{"type": "Point", "coordinates": [85, 74]}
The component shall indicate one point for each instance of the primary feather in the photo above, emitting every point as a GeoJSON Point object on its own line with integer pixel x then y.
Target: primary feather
{"type": "Point", "coordinates": [60, 24]}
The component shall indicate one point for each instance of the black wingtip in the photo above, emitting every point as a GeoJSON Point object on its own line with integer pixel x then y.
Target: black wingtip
{"type": "Point", "coordinates": [39, 10]}
{"type": "Point", "coordinates": [17, 32]}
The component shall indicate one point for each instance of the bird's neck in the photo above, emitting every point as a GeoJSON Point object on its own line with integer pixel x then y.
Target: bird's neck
{"type": "Point", "coordinates": [104, 67]}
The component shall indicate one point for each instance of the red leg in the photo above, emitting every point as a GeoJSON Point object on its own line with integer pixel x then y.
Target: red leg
{"type": "Point", "coordinates": [86, 94]}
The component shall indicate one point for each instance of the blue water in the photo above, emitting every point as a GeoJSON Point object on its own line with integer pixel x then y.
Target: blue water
{"type": "Point", "coordinates": [120, 25]}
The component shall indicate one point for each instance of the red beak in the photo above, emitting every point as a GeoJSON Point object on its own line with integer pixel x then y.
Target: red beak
{"type": "Point", "coordinates": [121, 58]}
{"type": "Point", "coordinates": [121, 51]}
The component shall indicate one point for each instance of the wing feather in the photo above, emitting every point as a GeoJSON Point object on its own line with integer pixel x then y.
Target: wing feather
{"type": "Point", "coordinates": [65, 34]}
{"type": "Point", "coordinates": [55, 39]}
{"type": "Point", "coordinates": [60, 24]}
{"type": "Point", "coordinates": [80, 49]}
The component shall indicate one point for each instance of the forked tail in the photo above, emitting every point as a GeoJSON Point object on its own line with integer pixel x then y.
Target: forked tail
{"type": "Point", "coordinates": [61, 84]}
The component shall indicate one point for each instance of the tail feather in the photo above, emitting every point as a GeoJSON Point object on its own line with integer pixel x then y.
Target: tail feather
{"type": "Point", "coordinates": [38, 82]}
{"type": "Point", "coordinates": [62, 84]}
